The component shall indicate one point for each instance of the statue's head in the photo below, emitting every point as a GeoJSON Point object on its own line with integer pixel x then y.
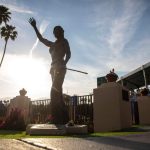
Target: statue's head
{"type": "Point", "coordinates": [58, 31]}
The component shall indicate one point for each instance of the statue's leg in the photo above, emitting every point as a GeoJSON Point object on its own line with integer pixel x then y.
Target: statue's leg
{"type": "Point", "coordinates": [57, 105]}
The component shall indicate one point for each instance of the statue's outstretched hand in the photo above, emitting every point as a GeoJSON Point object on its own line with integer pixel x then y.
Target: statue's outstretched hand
{"type": "Point", "coordinates": [32, 22]}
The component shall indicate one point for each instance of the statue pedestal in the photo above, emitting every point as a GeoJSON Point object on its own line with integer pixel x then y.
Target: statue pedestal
{"type": "Point", "coordinates": [144, 109]}
{"type": "Point", "coordinates": [53, 129]}
{"type": "Point", "coordinates": [112, 110]}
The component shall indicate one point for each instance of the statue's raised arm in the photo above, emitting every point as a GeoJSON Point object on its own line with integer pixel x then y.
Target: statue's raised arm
{"type": "Point", "coordinates": [48, 43]}
{"type": "Point", "coordinates": [32, 21]}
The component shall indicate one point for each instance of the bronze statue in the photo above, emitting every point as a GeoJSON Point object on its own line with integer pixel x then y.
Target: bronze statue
{"type": "Point", "coordinates": [60, 54]}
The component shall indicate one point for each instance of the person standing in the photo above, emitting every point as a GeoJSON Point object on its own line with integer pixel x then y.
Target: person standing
{"type": "Point", "coordinates": [60, 54]}
{"type": "Point", "coordinates": [134, 107]}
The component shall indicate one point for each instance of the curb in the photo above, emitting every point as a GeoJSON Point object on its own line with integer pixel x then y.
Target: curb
{"type": "Point", "coordinates": [37, 144]}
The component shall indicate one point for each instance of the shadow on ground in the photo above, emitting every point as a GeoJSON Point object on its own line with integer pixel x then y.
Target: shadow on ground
{"type": "Point", "coordinates": [122, 143]}
{"type": "Point", "coordinates": [140, 140]}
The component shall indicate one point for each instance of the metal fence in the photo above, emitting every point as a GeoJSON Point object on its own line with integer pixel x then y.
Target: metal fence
{"type": "Point", "coordinates": [80, 109]}
{"type": "Point", "coordinates": [39, 110]}
{"type": "Point", "coordinates": [83, 109]}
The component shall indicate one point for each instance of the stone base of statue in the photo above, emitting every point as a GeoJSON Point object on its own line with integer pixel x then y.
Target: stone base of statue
{"type": "Point", "coordinates": [46, 129]}
{"type": "Point", "coordinates": [53, 129]}
{"type": "Point", "coordinates": [77, 129]}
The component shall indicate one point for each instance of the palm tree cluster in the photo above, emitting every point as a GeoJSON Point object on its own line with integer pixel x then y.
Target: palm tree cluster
{"type": "Point", "coordinates": [6, 31]}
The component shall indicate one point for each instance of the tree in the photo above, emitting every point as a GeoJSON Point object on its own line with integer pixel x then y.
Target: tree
{"type": "Point", "coordinates": [7, 32]}
{"type": "Point", "coordinates": [4, 14]}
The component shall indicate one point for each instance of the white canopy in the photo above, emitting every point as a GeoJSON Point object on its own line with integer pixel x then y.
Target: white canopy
{"type": "Point", "coordinates": [137, 78]}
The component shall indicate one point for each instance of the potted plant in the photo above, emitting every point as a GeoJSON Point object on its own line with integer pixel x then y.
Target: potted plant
{"type": "Point", "coordinates": [144, 92]}
{"type": "Point", "coordinates": [23, 92]}
{"type": "Point", "coordinates": [111, 76]}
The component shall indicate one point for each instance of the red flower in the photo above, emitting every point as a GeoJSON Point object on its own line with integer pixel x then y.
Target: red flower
{"type": "Point", "coordinates": [49, 118]}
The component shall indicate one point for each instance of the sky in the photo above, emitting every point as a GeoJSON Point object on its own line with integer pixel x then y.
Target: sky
{"type": "Point", "coordinates": [102, 34]}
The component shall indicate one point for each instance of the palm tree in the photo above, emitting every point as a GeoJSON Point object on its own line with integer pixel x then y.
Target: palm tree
{"type": "Point", "coordinates": [4, 14]}
{"type": "Point", "coordinates": [7, 32]}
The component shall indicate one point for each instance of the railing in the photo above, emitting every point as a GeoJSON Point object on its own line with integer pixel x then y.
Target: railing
{"type": "Point", "coordinates": [39, 110]}
{"type": "Point", "coordinates": [80, 109]}
{"type": "Point", "coordinates": [83, 109]}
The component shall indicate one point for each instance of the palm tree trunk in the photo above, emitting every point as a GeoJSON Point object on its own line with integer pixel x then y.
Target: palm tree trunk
{"type": "Point", "coordinates": [3, 54]}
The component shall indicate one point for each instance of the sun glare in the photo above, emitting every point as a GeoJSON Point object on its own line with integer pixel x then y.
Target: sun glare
{"type": "Point", "coordinates": [29, 73]}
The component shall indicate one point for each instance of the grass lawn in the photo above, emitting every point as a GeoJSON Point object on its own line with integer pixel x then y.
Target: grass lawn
{"type": "Point", "coordinates": [10, 134]}
{"type": "Point", "coordinates": [136, 129]}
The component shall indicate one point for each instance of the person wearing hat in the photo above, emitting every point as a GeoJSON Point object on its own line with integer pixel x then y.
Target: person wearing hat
{"type": "Point", "coordinates": [60, 54]}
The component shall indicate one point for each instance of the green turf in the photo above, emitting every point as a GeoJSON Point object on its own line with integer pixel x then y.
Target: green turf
{"type": "Point", "coordinates": [136, 129]}
{"type": "Point", "coordinates": [10, 134]}
{"type": "Point", "coordinates": [114, 134]}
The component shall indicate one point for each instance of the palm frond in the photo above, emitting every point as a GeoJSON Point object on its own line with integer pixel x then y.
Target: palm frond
{"type": "Point", "coordinates": [8, 31]}
{"type": "Point", "coordinates": [4, 14]}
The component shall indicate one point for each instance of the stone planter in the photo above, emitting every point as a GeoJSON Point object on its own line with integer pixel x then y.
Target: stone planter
{"type": "Point", "coordinates": [23, 92]}
{"type": "Point", "coordinates": [111, 77]}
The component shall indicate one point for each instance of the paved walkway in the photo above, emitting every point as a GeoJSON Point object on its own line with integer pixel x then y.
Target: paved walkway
{"type": "Point", "coordinates": [134, 142]}
{"type": "Point", "coordinates": [130, 142]}
{"type": "Point", "coordinates": [11, 144]}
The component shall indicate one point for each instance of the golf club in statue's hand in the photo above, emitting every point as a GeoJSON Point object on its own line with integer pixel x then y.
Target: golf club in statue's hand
{"type": "Point", "coordinates": [32, 22]}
